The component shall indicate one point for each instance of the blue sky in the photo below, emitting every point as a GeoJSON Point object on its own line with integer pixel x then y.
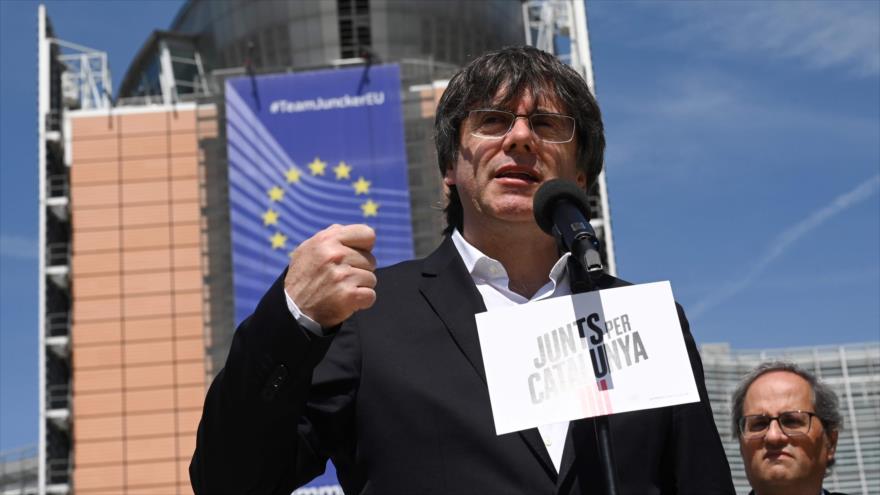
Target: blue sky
{"type": "Point", "coordinates": [743, 164]}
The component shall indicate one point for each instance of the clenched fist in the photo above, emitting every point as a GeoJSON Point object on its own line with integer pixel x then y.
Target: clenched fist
{"type": "Point", "coordinates": [331, 274]}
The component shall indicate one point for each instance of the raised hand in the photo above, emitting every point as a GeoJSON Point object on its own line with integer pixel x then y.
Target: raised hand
{"type": "Point", "coordinates": [331, 274]}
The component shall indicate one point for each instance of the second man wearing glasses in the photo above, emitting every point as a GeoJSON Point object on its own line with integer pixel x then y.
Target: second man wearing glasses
{"type": "Point", "coordinates": [787, 424]}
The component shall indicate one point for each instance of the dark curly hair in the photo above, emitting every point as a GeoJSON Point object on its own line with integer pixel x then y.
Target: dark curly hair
{"type": "Point", "coordinates": [516, 71]}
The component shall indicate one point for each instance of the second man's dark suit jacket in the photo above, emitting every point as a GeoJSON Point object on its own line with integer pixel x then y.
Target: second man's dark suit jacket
{"type": "Point", "coordinates": [398, 400]}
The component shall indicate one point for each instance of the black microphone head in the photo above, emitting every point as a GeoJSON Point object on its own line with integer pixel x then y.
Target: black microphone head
{"type": "Point", "coordinates": [550, 193]}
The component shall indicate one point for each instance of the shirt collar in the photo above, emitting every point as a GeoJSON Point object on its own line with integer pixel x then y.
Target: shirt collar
{"type": "Point", "coordinates": [483, 268]}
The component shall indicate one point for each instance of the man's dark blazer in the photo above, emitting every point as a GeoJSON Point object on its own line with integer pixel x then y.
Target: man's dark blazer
{"type": "Point", "coordinates": [398, 400]}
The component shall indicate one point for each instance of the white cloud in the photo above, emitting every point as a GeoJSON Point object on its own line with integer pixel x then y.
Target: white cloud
{"type": "Point", "coordinates": [13, 246]}
{"type": "Point", "coordinates": [783, 242]}
{"type": "Point", "coordinates": [818, 34]}
{"type": "Point", "coordinates": [704, 111]}
{"type": "Point", "coordinates": [702, 95]}
{"type": "Point", "coordinates": [708, 96]}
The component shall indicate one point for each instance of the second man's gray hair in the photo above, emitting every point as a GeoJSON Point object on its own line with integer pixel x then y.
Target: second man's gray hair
{"type": "Point", "coordinates": [825, 401]}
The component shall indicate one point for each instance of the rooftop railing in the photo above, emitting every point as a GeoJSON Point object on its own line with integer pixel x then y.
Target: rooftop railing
{"type": "Point", "coordinates": [57, 254]}
{"type": "Point", "coordinates": [58, 324]}
{"type": "Point", "coordinates": [58, 396]}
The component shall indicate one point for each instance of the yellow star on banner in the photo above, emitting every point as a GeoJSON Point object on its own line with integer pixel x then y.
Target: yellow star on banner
{"type": "Point", "coordinates": [292, 175]}
{"type": "Point", "coordinates": [279, 240]}
{"type": "Point", "coordinates": [370, 208]}
{"type": "Point", "coordinates": [317, 166]}
{"type": "Point", "coordinates": [276, 193]}
{"type": "Point", "coordinates": [270, 217]}
{"type": "Point", "coordinates": [343, 171]}
{"type": "Point", "coordinates": [362, 186]}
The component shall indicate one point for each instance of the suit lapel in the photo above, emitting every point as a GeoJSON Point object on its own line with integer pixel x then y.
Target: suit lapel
{"type": "Point", "coordinates": [449, 289]}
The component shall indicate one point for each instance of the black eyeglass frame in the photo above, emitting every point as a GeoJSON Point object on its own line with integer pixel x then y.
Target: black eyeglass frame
{"type": "Point", "coordinates": [782, 428]}
{"type": "Point", "coordinates": [528, 118]}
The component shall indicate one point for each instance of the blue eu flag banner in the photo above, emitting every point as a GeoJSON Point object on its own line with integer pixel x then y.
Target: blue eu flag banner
{"type": "Point", "coordinates": [307, 150]}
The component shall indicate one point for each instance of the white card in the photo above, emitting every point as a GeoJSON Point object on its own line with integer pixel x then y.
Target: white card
{"type": "Point", "coordinates": [542, 358]}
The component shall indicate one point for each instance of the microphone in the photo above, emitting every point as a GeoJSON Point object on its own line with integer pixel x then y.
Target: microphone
{"type": "Point", "coordinates": [562, 210]}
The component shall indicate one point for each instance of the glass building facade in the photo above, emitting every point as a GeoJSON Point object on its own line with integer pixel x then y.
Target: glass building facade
{"type": "Point", "coordinates": [292, 34]}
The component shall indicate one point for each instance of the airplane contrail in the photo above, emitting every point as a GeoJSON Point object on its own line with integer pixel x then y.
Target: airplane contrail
{"type": "Point", "coordinates": [785, 239]}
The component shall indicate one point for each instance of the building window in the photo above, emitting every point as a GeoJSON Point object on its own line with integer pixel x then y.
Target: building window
{"type": "Point", "coordinates": [354, 27]}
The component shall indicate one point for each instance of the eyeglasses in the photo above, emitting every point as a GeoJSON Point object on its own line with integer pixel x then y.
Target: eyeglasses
{"type": "Point", "coordinates": [792, 423]}
{"type": "Point", "coordinates": [495, 124]}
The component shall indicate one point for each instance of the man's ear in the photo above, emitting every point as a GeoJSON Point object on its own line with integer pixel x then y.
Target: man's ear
{"type": "Point", "coordinates": [581, 180]}
{"type": "Point", "coordinates": [831, 438]}
{"type": "Point", "coordinates": [449, 176]}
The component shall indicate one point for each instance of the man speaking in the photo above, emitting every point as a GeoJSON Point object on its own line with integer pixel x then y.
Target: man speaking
{"type": "Point", "coordinates": [382, 372]}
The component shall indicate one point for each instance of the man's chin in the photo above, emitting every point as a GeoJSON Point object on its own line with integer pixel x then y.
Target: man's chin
{"type": "Point", "coordinates": [514, 209]}
{"type": "Point", "coordinates": [523, 217]}
{"type": "Point", "coordinates": [778, 473]}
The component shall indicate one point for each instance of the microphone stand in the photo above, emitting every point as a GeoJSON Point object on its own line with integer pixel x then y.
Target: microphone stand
{"type": "Point", "coordinates": [581, 279]}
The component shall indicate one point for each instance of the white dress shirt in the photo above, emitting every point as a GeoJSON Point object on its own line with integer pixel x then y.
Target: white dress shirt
{"type": "Point", "coordinates": [491, 279]}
